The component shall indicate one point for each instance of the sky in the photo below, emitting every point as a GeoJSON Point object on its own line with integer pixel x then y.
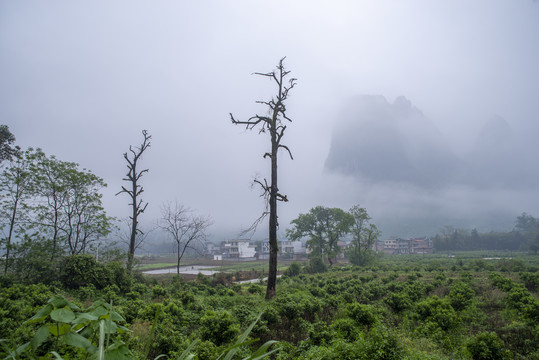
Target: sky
{"type": "Point", "coordinates": [81, 80]}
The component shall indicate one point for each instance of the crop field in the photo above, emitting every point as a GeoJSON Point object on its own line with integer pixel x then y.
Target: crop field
{"type": "Point", "coordinates": [475, 305]}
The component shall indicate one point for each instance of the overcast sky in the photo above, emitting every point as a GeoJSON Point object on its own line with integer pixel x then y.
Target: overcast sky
{"type": "Point", "coordinates": [82, 79]}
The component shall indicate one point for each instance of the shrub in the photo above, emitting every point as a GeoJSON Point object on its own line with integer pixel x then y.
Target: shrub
{"type": "Point", "coordinates": [438, 312]}
{"type": "Point", "coordinates": [317, 265]}
{"type": "Point", "coordinates": [293, 270]}
{"type": "Point", "coordinates": [398, 301]}
{"type": "Point", "coordinates": [361, 314]}
{"type": "Point", "coordinates": [383, 345]}
{"type": "Point", "coordinates": [218, 327]}
{"type": "Point", "coordinates": [81, 270]}
{"type": "Point", "coordinates": [460, 295]}
{"type": "Point", "coordinates": [531, 280]}
{"type": "Point", "coordinates": [486, 346]}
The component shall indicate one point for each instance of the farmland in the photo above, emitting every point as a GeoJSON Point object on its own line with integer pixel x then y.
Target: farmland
{"type": "Point", "coordinates": [402, 307]}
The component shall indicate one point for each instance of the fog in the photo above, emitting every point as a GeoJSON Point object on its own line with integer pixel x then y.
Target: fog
{"type": "Point", "coordinates": [423, 112]}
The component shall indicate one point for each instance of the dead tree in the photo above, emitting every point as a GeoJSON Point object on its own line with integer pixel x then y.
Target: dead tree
{"type": "Point", "coordinates": [133, 176]}
{"type": "Point", "coordinates": [273, 124]}
{"type": "Point", "coordinates": [183, 227]}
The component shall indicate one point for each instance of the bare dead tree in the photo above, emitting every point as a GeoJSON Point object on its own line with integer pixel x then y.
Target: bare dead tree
{"type": "Point", "coordinates": [273, 124]}
{"type": "Point", "coordinates": [133, 176]}
{"type": "Point", "coordinates": [123, 232]}
{"type": "Point", "coordinates": [183, 227]}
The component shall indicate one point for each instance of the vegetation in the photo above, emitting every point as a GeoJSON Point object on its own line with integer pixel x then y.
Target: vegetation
{"type": "Point", "coordinates": [325, 227]}
{"type": "Point", "coordinates": [51, 208]}
{"type": "Point", "coordinates": [403, 307]}
{"type": "Point", "coordinates": [524, 236]}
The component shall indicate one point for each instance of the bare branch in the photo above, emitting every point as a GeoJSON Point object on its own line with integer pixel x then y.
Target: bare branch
{"type": "Point", "coordinates": [287, 149]}
{"type": "Point", "coordinates": [275, 128]}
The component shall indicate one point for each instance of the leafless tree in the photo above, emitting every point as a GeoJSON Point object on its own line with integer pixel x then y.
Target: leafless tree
{"type": "Point", "coordinates": [133, 176]}
{"type": "Point", "coordinates": [183, 227]}
{"type": "Point", "coordinates": [123, 233]}
{"type": "Point", "coordinates": [273, 124]}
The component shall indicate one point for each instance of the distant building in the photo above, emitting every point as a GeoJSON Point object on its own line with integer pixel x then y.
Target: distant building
{"type": "Point", "coordinates": [287, 250]}
{"type": "Point", "coordinates": [421, 245]}
{"type": "Point", "coordinates": [291, 249]}
{"type": "Point", "coordinates": [239, 249]}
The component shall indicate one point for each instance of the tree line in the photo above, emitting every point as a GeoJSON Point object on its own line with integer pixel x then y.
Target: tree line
{"type": "Point", "coordinates": [523, 237]}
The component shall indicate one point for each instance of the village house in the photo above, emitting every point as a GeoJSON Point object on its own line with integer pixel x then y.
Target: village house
{"type": "Point", "coordinates": [422, 245]}
{"type": "Point", "coordinates": [240, 249]}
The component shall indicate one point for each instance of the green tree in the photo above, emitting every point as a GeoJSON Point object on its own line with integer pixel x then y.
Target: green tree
{"type": "Point", "coordinates": [7, 151]}
{"type": "Point", "coordinates": [71, 213]}
{"type": "Point", "coordinates": [275, 127]}
{"type": "Point", "coordinates": [324, 227]}
{"type": "Point", "coordinates": [364, 235]}
{"type": "Point", "coordinates": [15, 191]}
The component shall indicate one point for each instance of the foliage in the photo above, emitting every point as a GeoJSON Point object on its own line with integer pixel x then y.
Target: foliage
{"type": "Point", "coordinates": [486, 346]}
{"type": "Point", "coordinates": [293, 270]}
{"type": "Point", "coordinates": [66, 330]}
{"type": "Point", "coordinates": [524, 236]}
{"type": "Point", "coordinates": [399, 309]}
{"type": "Point", "coordinates": [324, 227]}
{"type": "Point", "coordinates": [218, 327]}
{"type": "Point", "coordinates": [364, 235]}
{"type": "Point", "coordinates": [7, 151]}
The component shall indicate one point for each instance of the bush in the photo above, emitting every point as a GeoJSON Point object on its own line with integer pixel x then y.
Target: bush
{"type": "Point", "coordinates": [361, 314]}
{"type": "Point", "coordinates": [317, 265]}
{"type": "Point", "coordinates": [293, 270]}
{"type": "Point", "coordinates": [460, 295]}
{"type": "Point", "coordinates": [486, 346]}
{"type": "Point", "coordinates": [218, 327]}
{"type": "Point", "coordinates": [82, 270]}
{"type": "Point", "coordinates": [398, 301]}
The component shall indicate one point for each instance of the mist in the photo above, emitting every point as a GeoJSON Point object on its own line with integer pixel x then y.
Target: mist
{"type": "Point", "coordinates": [424, 113]}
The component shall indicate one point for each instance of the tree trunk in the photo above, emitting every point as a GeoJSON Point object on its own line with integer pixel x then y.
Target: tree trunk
{"type": "Point", "coordinates": [11, 227]}
{"type": "Point", "coordinates": [179, 257]}
{"type": "Point", "coordinates": [272, 273]}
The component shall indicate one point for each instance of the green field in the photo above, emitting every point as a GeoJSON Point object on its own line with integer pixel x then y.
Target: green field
{"type": "Point", "coordinates": [476, 305]}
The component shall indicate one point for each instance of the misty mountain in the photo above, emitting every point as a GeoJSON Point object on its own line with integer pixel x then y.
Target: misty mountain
{"type": "Point", "coordinates": [379, 142]}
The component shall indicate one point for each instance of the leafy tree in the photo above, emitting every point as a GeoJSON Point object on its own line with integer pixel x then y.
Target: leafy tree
{"type": "Point", "coordinates": [133, 176]}
{"type": "Point", "coordinates": [324, 227]}
{"type": "Point", "coordinates": [15, 189]}
{"type": "Point", "coordinates": [6, 140]}
{"type": "Point", "coordinates": [364, 235]}
{"type": "Point", "coordinates": [183, 227]}
{"type": "Point", "coordinates": [72, 212]}
{"type": "Point", "coordinates": [274, 126]}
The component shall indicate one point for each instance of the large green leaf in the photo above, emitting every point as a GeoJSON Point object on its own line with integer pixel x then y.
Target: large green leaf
{"type": "Point", "coordinates": [118, 351]}
{"type": "Point", "coordinates": [99, 311]}
{"type": "Point", "coordinates": [79, 341]}
{"type": "Point", "coordinates": [41, 314]}
{"type": "Point", "coordinates": [63, 315]}
{"type": "Point", "coordinates": [84, 317]}
{"type": "Point", "coordinates": [116, 316]}
{"type": "Point", "coordinates": [59, 329]}
{"type": "Point", "coordinates": [58, 302]}
{"type": "Point", "coordinates": [41, 335]}
{"type": "Point", "coordinates": [110, 327]}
